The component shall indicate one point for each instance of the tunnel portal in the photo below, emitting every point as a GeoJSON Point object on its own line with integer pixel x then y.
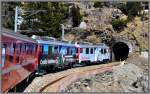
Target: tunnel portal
{"type": "Point", "coordinates": [121, 51]}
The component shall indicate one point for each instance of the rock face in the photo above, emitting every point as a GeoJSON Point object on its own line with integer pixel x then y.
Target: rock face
{"type": "Point", "coordinates": [98, 22]}
{"type": "Point", "coordinates": [83, 25]}
{"type": "Point", "coordinates": [123, 78]}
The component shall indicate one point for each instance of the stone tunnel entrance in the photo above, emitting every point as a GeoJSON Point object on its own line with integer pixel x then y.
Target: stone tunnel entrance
{"type": "Point", "coordinates": [121, 51]}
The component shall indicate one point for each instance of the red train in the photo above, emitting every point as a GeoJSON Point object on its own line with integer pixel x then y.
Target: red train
{"type": "Point", "coordinates": [19, 58]}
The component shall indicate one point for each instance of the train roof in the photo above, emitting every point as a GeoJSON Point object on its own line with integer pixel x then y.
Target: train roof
{"type": "Point", "coordinates": [91, 46]}
{"type": "Point", "coordinates": [17, 36]}
{"type": "Point", "coordinates": [67, 43]}
{"type": "Point", "coordinates": [87, 44]}
{"type": "Point", "coordinates": [56, 43]}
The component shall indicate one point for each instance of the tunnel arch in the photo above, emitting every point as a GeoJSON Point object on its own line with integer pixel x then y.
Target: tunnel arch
{"type": "Point", "coordinates": [121, 51]}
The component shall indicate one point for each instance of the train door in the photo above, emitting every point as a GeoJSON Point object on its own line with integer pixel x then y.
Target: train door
{"type": "Point", "coordinates": [62, 54]}
{"type": "Point", "coordinates": [49, 52]}
{"type": "Point", "coordinates": [39, 54]}
{"type": "Point", "coordinates": [99, 53]}
{"type": "Point", "coordinates": [87, 54]}
{"type": "Point", "coordinates": [54, 52]}
{"type": "Point", "coordinates": [78, 55]}
{"type": "Point", "coordinates": [104, 54]}
{"type": "Point", "coordinates": [43, 59]}
{"type": "Point", "coordinates": [69, 54]}
{"type": "Point", "coordinates": [107, 53]}
{"type": "Point", "coordinates": [30, 50]}
{"type": "Point", "coordinates": [73, 52]}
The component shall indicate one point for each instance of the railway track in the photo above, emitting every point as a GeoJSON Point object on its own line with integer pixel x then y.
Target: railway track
{"type": "Point", "coordinates": [57, 82]}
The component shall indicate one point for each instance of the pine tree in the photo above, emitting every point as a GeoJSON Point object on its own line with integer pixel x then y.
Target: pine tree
{"type": "Point", "coordinates": [76, 16]}
{"type": "Point", "coordinates": [49, 20]}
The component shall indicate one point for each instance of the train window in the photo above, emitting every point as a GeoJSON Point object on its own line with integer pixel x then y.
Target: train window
{"type": "Point", "coordinates": [17, 52]}
{"type": "Point", "coordinates": [71, 51]}
{"type": "Point", "coordinates": [50, 52]}
{"type": "Point", "coordinates": [9, 52]}
{"type": "Point", "coordinates": [27, 48]}
{"type": "Point", "coordinates": [87, 50]}
{"type": "Point", "coordinates": [3, 55]}
{"type": "Point", "coordinates": [55, 51]}
{"type": "Point", "coordinates": [45, 49]}
{"type": "Point", "coordinates": [77, 50]}
{"type": "Point", "coordinates": [81, 50]}
{"type": "Point", "coordinates": [55, 47]}
{"type": "Point", "coordinates": [23, 51]}
{"type": "Point", "coordinates": [104, 51]}
{"type": "Point", "coordinates": [33, 50]}
{"type": "Point", "coordinates": [41, 47]}
{"type": "Point", "coordinates": [68, 52]}
{"type": "Point", "coordinates": [91, 51]}
{"type": "Point", "coordinates": [60, 47]}
{"type": "Point", "coordinates": [28, 51]}
{"type": "Point", "coordinates": [36, 48]}
{"type": "Point", "coordinates": [108, 50]}
{"type": "Point", "coordinates": [31, 47]}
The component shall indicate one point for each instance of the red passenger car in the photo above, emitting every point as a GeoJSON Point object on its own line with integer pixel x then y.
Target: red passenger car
{"type": "Point", "coordinates": [19, 61]}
